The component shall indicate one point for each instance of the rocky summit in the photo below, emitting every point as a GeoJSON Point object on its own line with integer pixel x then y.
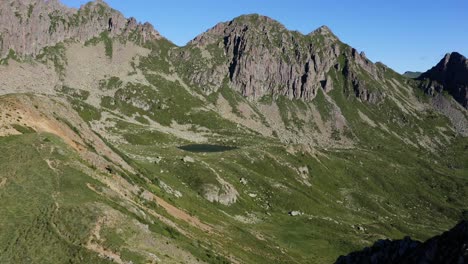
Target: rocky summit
{"type": "Point", "coordinates": [258, 56]}
{"type": "Point", "coordinates": [449, 75]}
{"type": "Point", "coordinates": [250, 144]}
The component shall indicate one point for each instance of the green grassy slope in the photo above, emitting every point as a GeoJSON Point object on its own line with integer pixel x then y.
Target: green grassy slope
{"type": "Point", "coordinates": [47, 213]}
{"type": "Point", "coordinates": [390, 191]}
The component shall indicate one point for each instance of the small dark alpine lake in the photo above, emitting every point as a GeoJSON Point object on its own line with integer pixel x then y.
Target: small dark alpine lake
{"type": "Point", "coordinates": [200, 148]}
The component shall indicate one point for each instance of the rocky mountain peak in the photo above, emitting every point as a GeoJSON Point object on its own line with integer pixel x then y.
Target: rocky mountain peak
{"type": "Point", "coordinates": [259, 56]}
{"type": "Point", "coordinates": [324, 31]}
{"type": "Point", "coordinates": [451, 75]}
{"type": "Point", "coordinates": [454, 57]}
{"type": "Point", "coordinates": [28, 26]}
{"type": "Point", "coordinates": [256, 19]}
{"type": "Point", "coordinates": [245, 23]}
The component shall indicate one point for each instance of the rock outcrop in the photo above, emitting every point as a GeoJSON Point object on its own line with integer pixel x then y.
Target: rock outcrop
{"type": "Point", "coordinates": [450, 75]}
{"type": "Point", "coordinates": [258, 56]}
{"type": "Point", "coordinates": [28, 26]}
{"type": "Point", "coordinates": [354, 77]}
{"type": "Point", "coordinates": [450, 247]}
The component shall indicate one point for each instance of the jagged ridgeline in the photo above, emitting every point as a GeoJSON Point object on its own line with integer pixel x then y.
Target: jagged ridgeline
{"type": "Point", "coordinates": [29, 26]}
{"type": "Point", "coordinates": [260, 57]}
{"type": "Point", "coordinates": [250, 144]}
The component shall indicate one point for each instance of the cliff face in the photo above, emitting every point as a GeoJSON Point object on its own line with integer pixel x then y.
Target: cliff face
{"type": "Point", "coordinates": [450, 247]}
{"type": "Point", "coordinates": [259, 56]}
{"type": "Point", "coordinates": [267, 59]}
{"type": "Point", "coordinates": [27, 26]}
{"type": "Point", "coordinates": [451, 75]}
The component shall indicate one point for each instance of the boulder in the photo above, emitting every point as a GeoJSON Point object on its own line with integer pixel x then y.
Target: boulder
{"type": "Point", "coordinates": [295, 213]}
{"type": "Point", "coordinates": [188, 159]}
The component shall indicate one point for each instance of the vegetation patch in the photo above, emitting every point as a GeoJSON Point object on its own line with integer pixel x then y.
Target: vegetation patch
{"type": "Point", "coordinates": [55, 54]}
{"type": "Point", "coordinates": [23, 129]}
{"type": "Point", "coordinates": [110, 84]}
{"type": "Point", "coordinates": [104, 38]}
{"type": "Point", "coordinates": [11, 55]}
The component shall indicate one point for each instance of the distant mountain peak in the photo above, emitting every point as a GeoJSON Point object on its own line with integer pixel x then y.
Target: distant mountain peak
{"type": "Point", "coordinates": [412, 74]}
{"type": "Point", "coordinates": [261, 23]}
{"type": "Point", "coordinates": [454, 58]}
{"type": "Point", "coordinates": [454, 55]}
{"type": "Point", "coordinates": [254, 17]}
{"type": "Point", "coordinates": [451, 75]}
{"type": "Point", "coordinates": [244, 22]}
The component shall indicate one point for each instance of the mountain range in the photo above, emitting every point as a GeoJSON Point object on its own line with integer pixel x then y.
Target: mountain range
{"type": "Point", "coordinates": [250, 144]}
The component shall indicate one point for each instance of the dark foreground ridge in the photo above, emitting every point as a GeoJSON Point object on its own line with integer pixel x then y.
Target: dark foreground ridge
{"type": "Point", "coordinates": [450, 247]}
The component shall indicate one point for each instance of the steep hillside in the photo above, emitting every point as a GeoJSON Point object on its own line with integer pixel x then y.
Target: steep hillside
{"type": "Point", "coordinates": [64, 184]}
{"type": "Point", "coordinates": [300, 85]}
{"type": "Point", "coordinates": [251, 144]}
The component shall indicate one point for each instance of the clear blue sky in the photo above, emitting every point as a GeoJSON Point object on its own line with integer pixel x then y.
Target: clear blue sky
{"type": "Point", "coordinates": [403, 34]}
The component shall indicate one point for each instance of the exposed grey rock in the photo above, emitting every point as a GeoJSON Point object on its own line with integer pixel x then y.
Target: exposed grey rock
{"type": "Point", "coordinates": [188, 159]}
{"type": "Point", "coordinates": [157, 160]}
{"type": "Point", "coordinates": [225, 194]}
{"type": "Point", "coordinates": [295, 213]}
{"type": "Point", "coordinates": [170, 190]}
{"type": "Point", "coordinates": [258, 56]}
{"type": "Point", "coordinates": [304, 170]}
{"type": "Point", "coordinates": [243, 181]}
{"type": "Point", "coordinates": [361, 60]}
{"type": "Point", "coordinates": [455, 112]}
{"type": "Point", "coordinates": [28, 26]}
{"type": "Point", "coordinates": [359, 85]}
{"type": "Point", "coordinates": [262, 57]}
{"type": "Point", "coordinates": [360, 228]}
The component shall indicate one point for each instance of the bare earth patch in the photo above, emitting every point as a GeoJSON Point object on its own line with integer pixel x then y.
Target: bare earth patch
{"type": "Point", "coordinates": [3, 182]}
